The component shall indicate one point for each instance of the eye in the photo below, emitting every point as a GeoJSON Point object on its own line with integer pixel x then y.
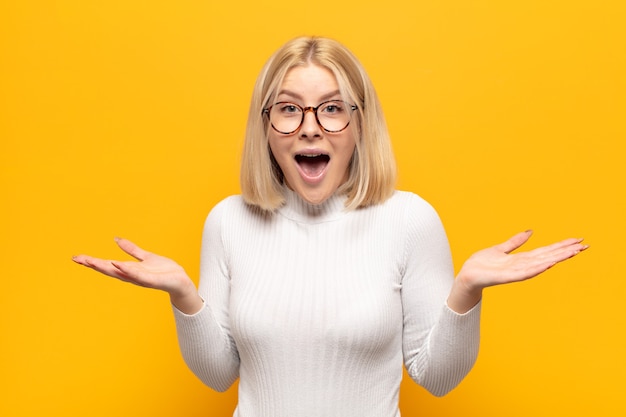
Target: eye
{"type": "Point", "coordinates": [333, 108]}
{"type": "Point", "coordinates": [288, 108]}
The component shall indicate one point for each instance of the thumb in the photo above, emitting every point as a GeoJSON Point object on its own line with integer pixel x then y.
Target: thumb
{"type": "Point", "coordinates": [132, 249]}
{"type": "Point", "coordinates": [514, 242]}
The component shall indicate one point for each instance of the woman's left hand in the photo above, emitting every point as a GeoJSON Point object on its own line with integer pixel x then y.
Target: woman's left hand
{"type": "Point", "coordinates": [497, 265]}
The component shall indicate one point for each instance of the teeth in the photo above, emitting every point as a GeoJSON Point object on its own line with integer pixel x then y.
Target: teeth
{"type": "Point", "coordinates": [310, 155]}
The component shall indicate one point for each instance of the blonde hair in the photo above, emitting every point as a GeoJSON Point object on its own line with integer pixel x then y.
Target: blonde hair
{"type": "Point", "coordinates": [372, 171]}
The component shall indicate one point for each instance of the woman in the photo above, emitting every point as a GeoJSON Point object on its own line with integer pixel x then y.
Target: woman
{"type": "Point", "coordinates": [320, 279]}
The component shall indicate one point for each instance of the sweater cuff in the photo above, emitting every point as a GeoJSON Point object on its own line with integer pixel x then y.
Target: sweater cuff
{"type": "Point", "coordinates": [470, 312]}
{"type": "Point", "coordinates": [181, 315]}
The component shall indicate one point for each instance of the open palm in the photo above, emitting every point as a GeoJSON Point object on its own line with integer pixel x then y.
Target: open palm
{"type": "Point", "coordinates": [497, 265]}
{"type": "Point", "coordinates": [149, 270]}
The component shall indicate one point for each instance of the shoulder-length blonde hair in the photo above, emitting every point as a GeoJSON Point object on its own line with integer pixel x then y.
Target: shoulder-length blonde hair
{"type": "Point", "coordinates": [372, 175]}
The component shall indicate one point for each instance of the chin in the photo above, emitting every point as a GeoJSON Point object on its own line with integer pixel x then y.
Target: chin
{"type": "Point", "coordinates": [315, 197]}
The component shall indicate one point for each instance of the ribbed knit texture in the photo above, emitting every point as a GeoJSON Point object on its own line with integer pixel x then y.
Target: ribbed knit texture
{"type": "Point", "coordinates": [315, 308]}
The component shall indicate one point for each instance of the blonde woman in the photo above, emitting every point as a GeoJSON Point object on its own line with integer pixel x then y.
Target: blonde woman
{"type": "Point", "coordinates": [321, 280]}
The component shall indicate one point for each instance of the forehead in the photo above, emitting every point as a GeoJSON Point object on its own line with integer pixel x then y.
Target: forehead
{"type": "Point", "coordinates": [309, 82]}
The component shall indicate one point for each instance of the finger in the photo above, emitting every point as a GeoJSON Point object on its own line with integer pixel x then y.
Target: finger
{"type": "Point", "coordinates": [538, 264]}
{"type": "Point", "coordinates": [514, 242]}
{"type": "Point", "coordinates": [132, 249]}
{"type": "Point", "coordinates": [79, 259]}
{"type": "Point", "coordinates": [571, 245]}
{"type": "Point", "coordinates": [128, 269]}
{"type": "Point", "coordinates": [87, 261]}
{"type": "Point", "coordinates": [127, 272]}
{"type": "Point", "coordinates": [538, 268]}
{"type": "Point", "coordinates": [567, 251]}
{"type": "Point", "coordinates": [100, 265]}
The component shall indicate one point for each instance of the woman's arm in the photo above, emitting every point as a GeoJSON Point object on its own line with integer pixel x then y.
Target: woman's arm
{"type": "Point", "coordinates": [441, 341]}
{"type": "Point", "coordinates": [439, 346]}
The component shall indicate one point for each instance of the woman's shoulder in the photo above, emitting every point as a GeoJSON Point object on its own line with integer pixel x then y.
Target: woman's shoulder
{"type": "Point", "coordinates": [235, 207]}
{"type": "Point", "coordinates": [410, 200]}
{"type": "Point", "coordinates": [410, 208]}
{"type": "Point", "coordinates": [229, 205]}
{"type": "Point", "coordinates": [232, 201]}
{"type": "Point", "coordinates": [410, 221]}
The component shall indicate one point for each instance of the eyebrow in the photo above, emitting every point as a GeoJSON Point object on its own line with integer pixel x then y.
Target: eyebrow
{"type": "Point", "coordinates": [297, 96]}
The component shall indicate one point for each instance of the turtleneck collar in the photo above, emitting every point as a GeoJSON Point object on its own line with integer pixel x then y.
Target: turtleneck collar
{"type": "Point", "coordinates": [297, 209]}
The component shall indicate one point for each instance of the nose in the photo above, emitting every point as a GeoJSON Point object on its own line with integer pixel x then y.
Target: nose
{"type": "Point", "coordinates": [310, 129]}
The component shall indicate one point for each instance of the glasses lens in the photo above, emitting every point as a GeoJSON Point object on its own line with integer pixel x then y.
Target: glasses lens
{"type": "Point", "coordinates": [286, 117]}
{"type": "Point", "coordinates": [334, 115]}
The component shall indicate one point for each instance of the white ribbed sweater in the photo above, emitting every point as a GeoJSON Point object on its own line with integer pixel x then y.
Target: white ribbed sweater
{"type": "Point", "coordinates": [315, 308]}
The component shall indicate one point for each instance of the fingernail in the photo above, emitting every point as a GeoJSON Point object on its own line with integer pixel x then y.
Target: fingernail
{"type": "Point", "coordinates": [117, 239]}
{"type": "Point", "coordinates": [529, 231]}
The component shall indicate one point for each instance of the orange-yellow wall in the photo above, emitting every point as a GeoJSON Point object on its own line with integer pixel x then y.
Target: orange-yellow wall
{"type": "Point", "coordinates": [125, 118]}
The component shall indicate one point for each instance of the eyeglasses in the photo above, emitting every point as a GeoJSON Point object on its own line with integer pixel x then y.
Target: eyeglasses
{"type": "Point", "coordinates": [333, 116]}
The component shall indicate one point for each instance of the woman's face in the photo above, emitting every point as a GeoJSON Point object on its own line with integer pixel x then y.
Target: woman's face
{"type": "Point", "coordinates": [314, 162]}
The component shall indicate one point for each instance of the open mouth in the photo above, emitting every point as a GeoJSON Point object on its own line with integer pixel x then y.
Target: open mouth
{"type": "Point", "coordinates": [312, 165]}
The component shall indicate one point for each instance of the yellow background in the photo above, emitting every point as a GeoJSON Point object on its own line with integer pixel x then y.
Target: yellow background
{"type": "Point", "coordinates": [126, 118]}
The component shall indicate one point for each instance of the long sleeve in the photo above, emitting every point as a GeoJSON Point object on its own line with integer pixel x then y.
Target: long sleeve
{"type": "Point", "coordinates": [204, 338]}
{"type": "Point", "coordinates": [439, 346]}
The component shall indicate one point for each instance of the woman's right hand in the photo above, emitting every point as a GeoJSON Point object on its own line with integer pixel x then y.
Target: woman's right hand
{"type": "Point", "coordinates": [150, 271]}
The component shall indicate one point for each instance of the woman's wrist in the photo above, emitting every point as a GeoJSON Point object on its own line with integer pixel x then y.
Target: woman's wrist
{"type": "Point", "coordinates": [463, 297]}
{"type": "Point", "coordinates": [187, 299]}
